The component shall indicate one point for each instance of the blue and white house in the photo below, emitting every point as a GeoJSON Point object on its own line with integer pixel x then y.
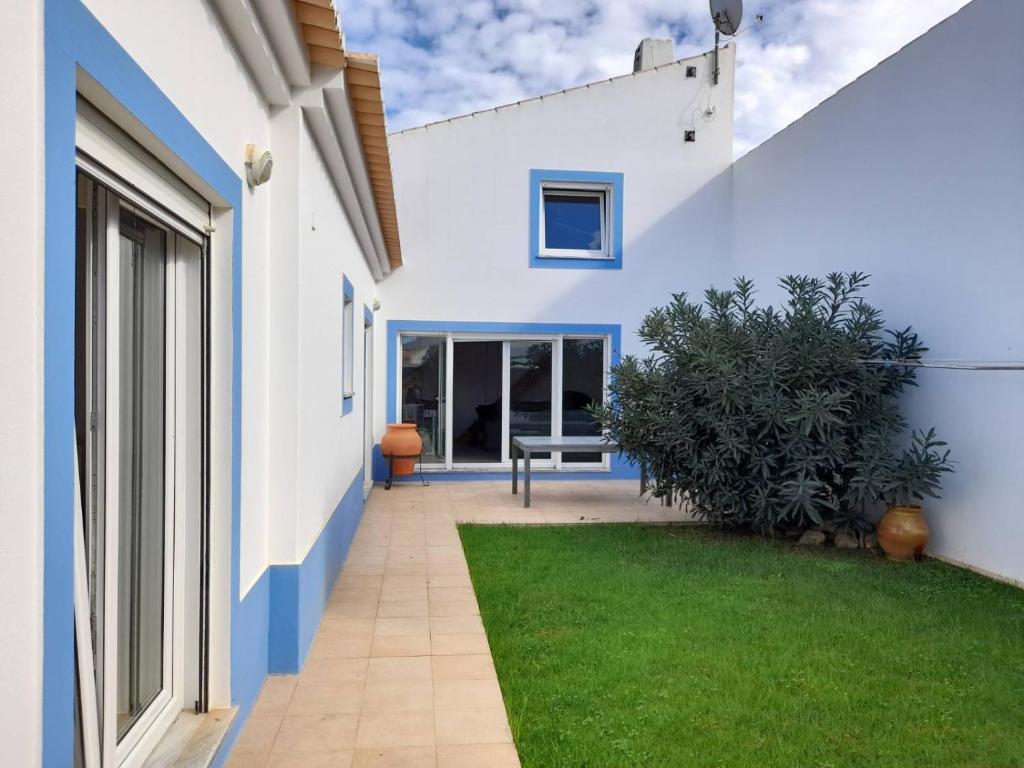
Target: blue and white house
{"type": "Point", "coordinates": [223, 279]}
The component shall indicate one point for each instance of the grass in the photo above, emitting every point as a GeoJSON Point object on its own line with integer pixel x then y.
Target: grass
{"type": "Point", "coordinates": [653, 646]}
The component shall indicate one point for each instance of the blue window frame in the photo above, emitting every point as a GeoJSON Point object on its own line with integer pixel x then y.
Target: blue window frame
{"type": "Point", "coordinates": [575, 219]}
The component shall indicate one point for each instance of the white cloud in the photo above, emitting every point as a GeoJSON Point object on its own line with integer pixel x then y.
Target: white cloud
{"type": "Point", "coordinates": [441, 58]}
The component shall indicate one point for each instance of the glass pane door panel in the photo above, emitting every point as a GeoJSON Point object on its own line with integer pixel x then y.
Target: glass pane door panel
{"type": "Point", "coordinates": [142, 514]}
{"type": "Point", "coordinates": [476, 402]}
{"type": "Point", "coordinates": [582, 386]}
{"type": "Point", "coordinates": [423, 392]}
{"type": "Point", "coordinates": [529, 398]}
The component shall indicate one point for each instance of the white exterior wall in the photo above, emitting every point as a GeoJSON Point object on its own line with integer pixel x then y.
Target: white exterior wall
{"type": "Point", "coordinates": [21, 385]}
{"type": "Point", "coordinates": [915, 174]}
{"type": "Point", "coordinates": [184, 49]}
{"type": "Point", "coordinates": [462, 190]}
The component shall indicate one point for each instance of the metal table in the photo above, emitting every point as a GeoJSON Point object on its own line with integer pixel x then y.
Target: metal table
{"type": "Point", "coordinates": [530, 445]}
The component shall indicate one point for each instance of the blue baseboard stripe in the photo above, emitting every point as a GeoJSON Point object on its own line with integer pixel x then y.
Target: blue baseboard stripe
{"type": "Point", "coordinates": [280, 615]}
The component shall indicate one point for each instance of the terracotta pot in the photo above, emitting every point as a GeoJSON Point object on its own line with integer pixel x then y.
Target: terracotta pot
{"type": "Point", "coordinates": [402, 440]}
{"type": "Point", "coordinates": [903, 533]}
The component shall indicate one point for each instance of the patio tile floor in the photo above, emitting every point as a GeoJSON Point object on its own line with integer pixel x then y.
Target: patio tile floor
{"type": "Point", "coordinates": [400, 672]}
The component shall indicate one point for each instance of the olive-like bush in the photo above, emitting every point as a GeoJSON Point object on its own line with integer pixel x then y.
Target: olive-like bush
{"type": "Point", "coordinates": [775, 419]}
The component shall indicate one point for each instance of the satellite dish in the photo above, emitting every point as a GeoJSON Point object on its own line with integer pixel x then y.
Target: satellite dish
{"type": "Point", "coordinates": [727, 15]}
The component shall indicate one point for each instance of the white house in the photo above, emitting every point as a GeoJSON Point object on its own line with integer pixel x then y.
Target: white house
{"type": "Point", "coordinates": [185, 395]}
{"type": "Point", "coordinates": [199, 367]}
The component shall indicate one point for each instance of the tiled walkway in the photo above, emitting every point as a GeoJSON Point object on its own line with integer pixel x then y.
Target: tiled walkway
{"type": "Point", "coordinates": [400, 673]}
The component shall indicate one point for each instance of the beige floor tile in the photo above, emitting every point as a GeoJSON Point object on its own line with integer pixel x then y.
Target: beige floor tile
{"type": "Point", "coordinates": [449, 580]}
{"type": "Point", "coordinates": [453, 606]}
{"type": "Point", "coordinates": [470, 667]}
{"type": "Point", "coordinates": [477, 756]}
{"type": "Point", "coordinates": [333, 671]}
{"type": "Point", "coordinates": [456, 625]}
{"type": "Point", "coordinates": [472, 726]}
{"type": "Point", "coordinates": [412, 591]}
{"type": "Point", "coordinates": [448, 645]}
{"type": "Point", "coordinates": [401, 645]}
{"type": "Point", "coordinates": [406, 608]}
{"type": "Point", "coordinates": [418, 625]}
{"type": "Point", "coordinates": [467, 694]}
{"type": "Point", "coordinates": [274, 696]}
{"type": "Point", "coordinates": [412, 729]}
{"type": "Point", "coordinates": [258, 734]}
{"type": "Point", "coordinates": [398, 696]}
{"type": "Point", "coordinates": [336, 758]}
{"type": "Point", "coordinates": [246, 760]}
{"type": "Point", "coordinates": [393, 581]}
{"type": "Point", "coordinates": [311, 698]}
{"type": "Point", "coordinates": [359, 582]}
{"type": "Point", "coordinates": [404, 569]}
{"type": "Point", "coordinates": [316, 733]}
{"type": "Point", "coordinates": [399, 668]}
{"type": "Point", "coordinates": [395, 757]}
{"type": "Point", "coordinates": [341, 638]}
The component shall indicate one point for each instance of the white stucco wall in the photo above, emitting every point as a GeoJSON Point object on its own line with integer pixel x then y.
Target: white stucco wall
{"type": "Point", "coordinates": [462, 190]}
{"type": "Point", "coordinates": [915, 174]}
{"type": "Point", "coordinates": [21, 420]}
{"type": "Point", "coordinates": [320, 449]}
{"type": "Point", "coordinates": [187, 53]}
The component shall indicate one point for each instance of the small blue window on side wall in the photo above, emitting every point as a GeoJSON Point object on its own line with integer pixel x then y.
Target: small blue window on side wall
{"type": "Point", "coordinates": [575, 219]}
{"type": "Point", "coordinates": [348, 321]}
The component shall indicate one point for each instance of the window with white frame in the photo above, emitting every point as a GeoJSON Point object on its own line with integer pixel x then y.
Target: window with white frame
{"type": "Point", "coordinates": [574, 220]}
{"type": "Point", "coordinates": [347, 346]}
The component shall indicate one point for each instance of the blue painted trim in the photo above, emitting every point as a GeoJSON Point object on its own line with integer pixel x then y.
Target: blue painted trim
{"type": "Point", "coordinates": [283, 610]}
{"type": "Point", "coordinates": [346, 405]}
{"type": "Point", "coordinates": [367, 316]}
{"type": "Point", "coordinates": [397, 327]}
{"type": "Point", "coordinates": [347, 289]}
{"type": "Point", "coordinates": [74, 38]}
{"type": "Point", "coordinates": [540, 175]}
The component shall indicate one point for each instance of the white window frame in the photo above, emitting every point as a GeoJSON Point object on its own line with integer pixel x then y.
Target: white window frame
{"type": "Point", "coordinates": [577, 189]}
{"type": "Point", "coordinates": [135, 181]}
{"type": "Point", "coordinates": [555, 463]}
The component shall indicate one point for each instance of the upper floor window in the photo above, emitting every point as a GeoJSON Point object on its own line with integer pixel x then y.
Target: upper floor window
{"type": "Point", "coordinates": [575, 219]}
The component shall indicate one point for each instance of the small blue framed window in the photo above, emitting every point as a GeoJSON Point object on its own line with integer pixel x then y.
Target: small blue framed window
{"type": "Point", "coordinates": [575, 219]}
{"type": "Point", "coordinates": [348, 321]}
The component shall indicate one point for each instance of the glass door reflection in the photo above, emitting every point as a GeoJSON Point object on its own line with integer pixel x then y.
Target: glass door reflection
{"type": "Point", "coordinates": [423, 392]}
{"type": "Point", "coordinates": [529, 391]}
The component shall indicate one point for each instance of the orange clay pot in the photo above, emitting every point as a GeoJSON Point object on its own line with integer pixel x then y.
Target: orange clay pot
{"type": "Point", "coordinates": [402, 440]}
{"type": "Point", "coordinates": [903, 533]}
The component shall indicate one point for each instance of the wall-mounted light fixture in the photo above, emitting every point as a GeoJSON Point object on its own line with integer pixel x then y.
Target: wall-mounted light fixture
{"type": "Point", "coordinates": [259, 164]}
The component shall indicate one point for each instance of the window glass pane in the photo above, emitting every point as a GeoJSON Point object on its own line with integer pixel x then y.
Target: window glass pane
{"type": "Point", "coordinates": [582, 386]}
{"type": "Point", "coordinates": [423, 387]}
{"type": "Point", "coordinates": [142, 513]}
{"type": "Point", "coordinates": [529, 391]}
{"type": "Point", "coordinates": [348, 322]}
{"type": "Point", "coordinates": [476, 402]}
{"type": "Point", "coordinates": [573, 221]}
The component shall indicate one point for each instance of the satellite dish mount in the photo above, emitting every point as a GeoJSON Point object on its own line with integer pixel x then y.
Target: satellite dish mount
{"type": "Point", "coordinates": [726, 15]}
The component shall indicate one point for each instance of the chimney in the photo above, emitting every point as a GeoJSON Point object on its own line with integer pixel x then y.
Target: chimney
{"type": "Point", "coordinates": [651, 53]}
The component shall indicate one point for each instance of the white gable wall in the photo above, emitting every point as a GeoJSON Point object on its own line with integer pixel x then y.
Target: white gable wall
{"type": "Point", "coordinates": [463, 196]}
{"type": "Point", "coordinates": [915, 174]}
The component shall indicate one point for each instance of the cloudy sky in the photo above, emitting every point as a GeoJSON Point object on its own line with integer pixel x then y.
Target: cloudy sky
{"type": "Point", "coordinates": [448, 57]}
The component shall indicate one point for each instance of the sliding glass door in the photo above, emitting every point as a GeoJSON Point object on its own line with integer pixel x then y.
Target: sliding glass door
{"type": "Point", "coordinates": [470, 394]}
{"type": "Point", "coordinates": [476, 402]}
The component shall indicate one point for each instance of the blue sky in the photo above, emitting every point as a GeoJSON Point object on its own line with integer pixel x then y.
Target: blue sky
{"type": "Point", "coordinates": [442, 58]}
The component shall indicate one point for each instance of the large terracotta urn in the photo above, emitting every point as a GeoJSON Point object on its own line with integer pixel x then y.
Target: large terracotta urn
{"type": "Point", "coordinates": [402, 440]}
{"type": "Point", "coordinates": [903, 532]}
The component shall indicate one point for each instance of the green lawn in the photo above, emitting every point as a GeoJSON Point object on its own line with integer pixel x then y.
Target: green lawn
{"type": "Point", "coordinates": [651, 646]}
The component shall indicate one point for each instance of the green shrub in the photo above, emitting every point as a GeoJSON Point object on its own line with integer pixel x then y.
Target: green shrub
{"type": "Point", "coordinates": [772, 418]}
